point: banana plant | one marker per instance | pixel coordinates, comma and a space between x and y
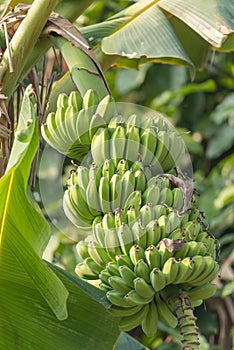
47, 291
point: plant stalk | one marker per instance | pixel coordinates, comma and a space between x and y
186, 321
23, 42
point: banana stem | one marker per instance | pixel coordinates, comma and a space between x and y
23, 42
186, 321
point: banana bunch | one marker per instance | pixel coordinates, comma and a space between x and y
93, 191
71, 128
151, 141
149, 245
136, 280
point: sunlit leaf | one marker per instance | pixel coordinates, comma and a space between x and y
26, 321
142, 36
211, 19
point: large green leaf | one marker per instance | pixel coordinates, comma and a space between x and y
23, 231
166, 31
147, 34
26, 321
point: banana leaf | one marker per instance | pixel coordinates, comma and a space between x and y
166, 31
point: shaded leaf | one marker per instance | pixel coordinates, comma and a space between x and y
221, 142
127, 342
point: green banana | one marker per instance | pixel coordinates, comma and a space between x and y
104, 287
166, 197
118, 284
98, 254
173, 222
83, 270
133, 200
170, 161
133, 298
151, 195
108, 222
139, 233
82, 249
165, 313
148, 145
159, 210
127, 274
129, 322
90, 99
146, 214
117, 144
164, 251
191, 230
186, 268
78, 197
140, 180
150, 322
92, 197
106, 108
124, 260
112, 243
122, 166
117, 299
104, 195
153, 257
82, 126
115, 192
128, 186
208, 241
96, 122
100, 146
160, 152
112, 268
108, 169
71, 212
157, 279
82, 175
126, 239
178, 199
132, 216
104, 276
142, 270
75, 100
119, 311
143, 288
204, 291
131, 151
210, 272
120, 218
170, 270
198, 267
136, 253
98, 231
131, 121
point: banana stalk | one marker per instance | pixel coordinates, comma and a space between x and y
186, 321
83, 66
22, 43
